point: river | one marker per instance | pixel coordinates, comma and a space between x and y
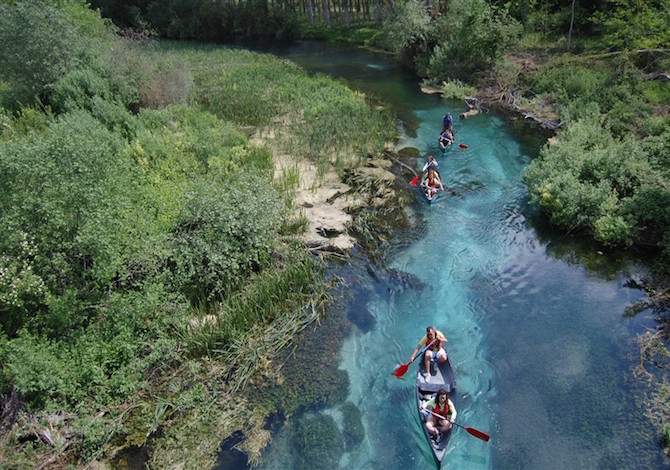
542, 353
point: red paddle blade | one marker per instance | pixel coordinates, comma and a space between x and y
400, 370
477, 433
414, 181
463, 146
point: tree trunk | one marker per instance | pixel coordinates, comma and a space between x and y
326, 12
572, 20
347, 20
310, 12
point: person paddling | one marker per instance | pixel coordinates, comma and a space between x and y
434, 352
431, 182
442, 414
448, 123
431, 163
445, 139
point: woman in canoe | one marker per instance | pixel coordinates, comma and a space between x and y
441, 416
431, 163
431, 182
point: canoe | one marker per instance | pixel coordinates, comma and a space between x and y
430, 199
442, 375
424, 189
444, 144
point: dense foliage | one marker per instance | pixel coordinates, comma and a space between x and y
145, 241
608, 175
468, 38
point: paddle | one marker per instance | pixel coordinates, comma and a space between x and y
414, 181
401, 369
472, 431
463, 146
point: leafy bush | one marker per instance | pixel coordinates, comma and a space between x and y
650, 211
22, 291
587, 181
76, 89
455, 89
39, 46
644, 24
408, 33
224, 237
470, 38
568, 83
43, 43
68, 189
656, 92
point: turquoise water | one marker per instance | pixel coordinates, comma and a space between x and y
541, 351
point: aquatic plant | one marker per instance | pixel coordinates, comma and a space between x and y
353, 431
319, 443
315, 382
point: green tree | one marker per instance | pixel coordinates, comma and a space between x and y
639, 24
470, 38
42, 42
409, 33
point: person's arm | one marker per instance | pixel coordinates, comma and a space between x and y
425, 166
416, 350
429, 405
452, 418
439, 182
419, 346
440, 335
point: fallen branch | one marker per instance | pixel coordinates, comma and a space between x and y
662, 76
473, 105
401, 163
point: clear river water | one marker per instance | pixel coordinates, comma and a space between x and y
542, 353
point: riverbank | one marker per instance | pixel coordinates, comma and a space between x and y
340, 192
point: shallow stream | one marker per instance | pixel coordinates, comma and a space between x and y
542, 353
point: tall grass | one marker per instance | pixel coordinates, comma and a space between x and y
316, 118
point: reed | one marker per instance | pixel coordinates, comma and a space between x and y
313, 117
289, 179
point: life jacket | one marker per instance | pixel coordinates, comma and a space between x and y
437, 344
431, 181
444, 412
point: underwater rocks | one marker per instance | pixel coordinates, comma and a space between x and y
403, 280
362, 318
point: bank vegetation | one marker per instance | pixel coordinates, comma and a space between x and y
152, 264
